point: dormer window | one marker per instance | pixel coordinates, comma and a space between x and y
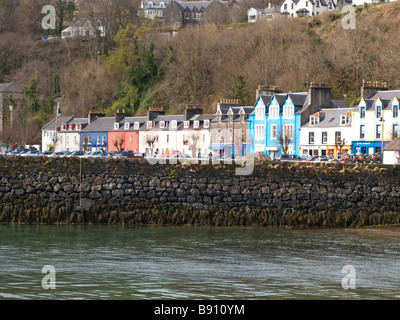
174, 124
206, 123
136, 126
149, 124
116, 126
162, 4
127, 125
196, 124
314, 120
162, 124
186, 124
150, 4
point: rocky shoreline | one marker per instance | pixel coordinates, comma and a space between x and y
133, 192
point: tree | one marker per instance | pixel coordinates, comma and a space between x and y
193, 146
119, 144
31, 93
284, 140
240, 89
150, 142
339, 144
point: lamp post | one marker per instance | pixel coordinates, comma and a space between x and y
382, 121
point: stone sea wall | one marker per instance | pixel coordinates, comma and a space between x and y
133, 192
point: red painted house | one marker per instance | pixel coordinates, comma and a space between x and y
125, 133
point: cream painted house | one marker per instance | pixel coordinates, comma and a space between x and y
376, 121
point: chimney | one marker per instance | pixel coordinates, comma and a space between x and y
154, 113
368, 88
266, 90
191, 111
119, 116
94, 116
320, 95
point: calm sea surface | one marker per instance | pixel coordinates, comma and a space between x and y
114, 262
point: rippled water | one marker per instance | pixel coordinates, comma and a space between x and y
114, 262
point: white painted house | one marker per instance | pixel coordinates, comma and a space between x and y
324, 130
49, 133
269, 13
296, 8
69, 134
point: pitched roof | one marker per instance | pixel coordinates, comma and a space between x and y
60, 120
385, 94
330, 118
191, 5
393, 145
100, 124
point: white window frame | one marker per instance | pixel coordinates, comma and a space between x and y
274, 112
259, 132
116, 126
274, 132
149, 124
186, 124
174, 124
288, 127
127, 125
206, 123
196, 124
162, 124
136, 126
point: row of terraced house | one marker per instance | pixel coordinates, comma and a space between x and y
298, 123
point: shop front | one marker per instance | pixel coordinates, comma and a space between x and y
367, 147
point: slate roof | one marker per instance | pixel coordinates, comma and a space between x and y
100, 124
385, 94
191, 5
51, 126
331, 118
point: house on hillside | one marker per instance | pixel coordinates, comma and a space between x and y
271, 12
86, 28
182, 14
297, 8
152, 9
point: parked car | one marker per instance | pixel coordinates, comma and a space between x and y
125, 154
75, 154
287, 157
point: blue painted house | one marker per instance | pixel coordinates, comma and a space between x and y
94, 136
282, 115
